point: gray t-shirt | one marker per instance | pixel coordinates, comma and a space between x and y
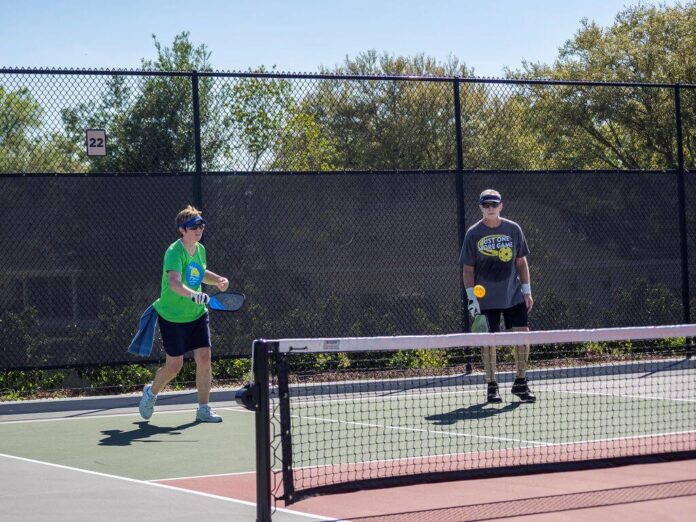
492, 253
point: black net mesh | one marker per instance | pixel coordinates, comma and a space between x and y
344, 420
690, 188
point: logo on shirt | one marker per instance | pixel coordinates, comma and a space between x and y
194, 275
497, 245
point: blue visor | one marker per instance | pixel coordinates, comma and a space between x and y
489, 198
193, 221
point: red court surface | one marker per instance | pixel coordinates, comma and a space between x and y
657, 491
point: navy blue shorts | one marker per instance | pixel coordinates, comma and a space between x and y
514, 317
179, 338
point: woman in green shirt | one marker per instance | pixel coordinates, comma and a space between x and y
182, 315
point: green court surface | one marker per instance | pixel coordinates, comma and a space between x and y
170, 445
346, 431
329, 429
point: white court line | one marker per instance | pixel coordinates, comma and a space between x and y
532, 443
84, 416
624, 396
155, 484
205, 476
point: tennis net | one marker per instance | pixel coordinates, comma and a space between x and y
339, 414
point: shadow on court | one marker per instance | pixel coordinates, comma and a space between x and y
474, 412
144, 431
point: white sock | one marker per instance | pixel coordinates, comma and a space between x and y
202, 405
149, 392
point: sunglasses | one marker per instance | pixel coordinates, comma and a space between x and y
200, 226
490, 205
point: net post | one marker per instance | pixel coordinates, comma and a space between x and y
285, 428
263, 432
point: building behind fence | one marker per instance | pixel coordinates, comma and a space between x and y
338, 204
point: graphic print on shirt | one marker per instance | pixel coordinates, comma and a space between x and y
496, 245
194, 275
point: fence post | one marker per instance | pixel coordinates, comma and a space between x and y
461, 212
682, 208
198, 181
682, 218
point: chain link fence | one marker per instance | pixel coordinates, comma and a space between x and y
337, 204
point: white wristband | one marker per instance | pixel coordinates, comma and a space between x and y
470, 293
526, 289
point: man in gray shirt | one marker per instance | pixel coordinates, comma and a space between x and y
494, 256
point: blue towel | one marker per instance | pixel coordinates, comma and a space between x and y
142, 342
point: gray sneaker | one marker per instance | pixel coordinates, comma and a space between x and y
147, 402
207, 414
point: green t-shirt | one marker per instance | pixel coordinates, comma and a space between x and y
172, 306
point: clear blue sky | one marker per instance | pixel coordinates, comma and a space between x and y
294, 35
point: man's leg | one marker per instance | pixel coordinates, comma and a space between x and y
172, 367
166, 373
520, 387
204, 378
204, 373
516, 319
489, 358
521, 354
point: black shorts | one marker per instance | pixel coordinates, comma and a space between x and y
179, 338
514, 317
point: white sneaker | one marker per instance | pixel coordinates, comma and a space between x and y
147, 402
207, 414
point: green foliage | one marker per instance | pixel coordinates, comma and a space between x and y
258, 109
646, 304
24, 145
112, 334
272, 129
374, 322
419, 359
150, 125
23, 341
387, 124
622, 128
232, 369
122, 378
18, 385
20, 115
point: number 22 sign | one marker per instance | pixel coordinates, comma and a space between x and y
96, 142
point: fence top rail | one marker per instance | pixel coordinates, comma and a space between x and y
357, 172
325, 76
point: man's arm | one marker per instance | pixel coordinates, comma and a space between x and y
211, 278
469, 276
523, 272
177, 286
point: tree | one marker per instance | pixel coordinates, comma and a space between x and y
269, 129
149, 120
24, 144
387, 124
623, 128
